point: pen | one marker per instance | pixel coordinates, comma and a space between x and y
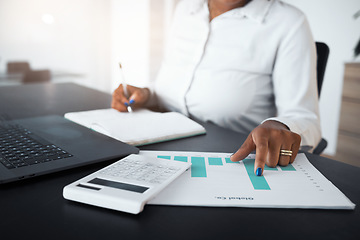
125, 90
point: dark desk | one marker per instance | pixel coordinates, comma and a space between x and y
35, 208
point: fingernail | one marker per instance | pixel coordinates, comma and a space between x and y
131, 101
126, 104
258, 171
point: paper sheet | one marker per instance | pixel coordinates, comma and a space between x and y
213, 180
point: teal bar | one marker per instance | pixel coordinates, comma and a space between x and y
198, 168
258, 182
180, 158
288, 168
270, 168
165, 157
215, 161
227, 160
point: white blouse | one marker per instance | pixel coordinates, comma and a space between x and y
246, 66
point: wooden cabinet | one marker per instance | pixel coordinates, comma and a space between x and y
348, 146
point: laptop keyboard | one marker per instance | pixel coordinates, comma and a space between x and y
19, 148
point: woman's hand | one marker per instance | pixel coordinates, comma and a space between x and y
137, 97
268, 139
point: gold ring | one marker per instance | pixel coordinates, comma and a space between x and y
285, 152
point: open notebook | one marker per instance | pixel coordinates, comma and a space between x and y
140, 127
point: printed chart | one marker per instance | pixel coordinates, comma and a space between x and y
214, 180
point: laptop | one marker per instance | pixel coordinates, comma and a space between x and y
36, 146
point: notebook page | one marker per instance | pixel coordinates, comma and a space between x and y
139, 127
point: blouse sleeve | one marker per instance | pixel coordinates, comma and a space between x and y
295, 86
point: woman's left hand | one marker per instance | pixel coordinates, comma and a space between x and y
274, 144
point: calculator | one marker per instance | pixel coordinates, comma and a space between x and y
127, 184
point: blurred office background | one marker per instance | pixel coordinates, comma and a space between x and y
83, 41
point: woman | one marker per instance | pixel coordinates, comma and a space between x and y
245, 65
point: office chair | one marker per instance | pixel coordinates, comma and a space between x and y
37, 76
322, 56
18, 67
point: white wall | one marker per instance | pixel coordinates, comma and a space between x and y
130, 41
137, 36
332, 22
87, 37
78, 41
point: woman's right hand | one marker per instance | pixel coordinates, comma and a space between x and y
137, 96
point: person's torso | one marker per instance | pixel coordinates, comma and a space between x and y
220, 71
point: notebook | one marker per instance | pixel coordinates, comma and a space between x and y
140, 127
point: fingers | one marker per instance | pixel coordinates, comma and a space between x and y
246, 148
293, 144
119, 99
273, 154
261, 154
119, 94
250, 144
118, 106
295, 147
138, 97
284, 159
269, 139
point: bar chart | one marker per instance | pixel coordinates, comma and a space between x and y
199, 167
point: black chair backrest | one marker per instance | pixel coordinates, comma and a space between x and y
322, 56
322, 51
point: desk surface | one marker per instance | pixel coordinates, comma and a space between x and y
35, 207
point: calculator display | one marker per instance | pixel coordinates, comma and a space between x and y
118, 185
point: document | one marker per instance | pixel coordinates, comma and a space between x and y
140, 127
214, 180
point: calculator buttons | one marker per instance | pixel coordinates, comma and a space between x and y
146, 172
